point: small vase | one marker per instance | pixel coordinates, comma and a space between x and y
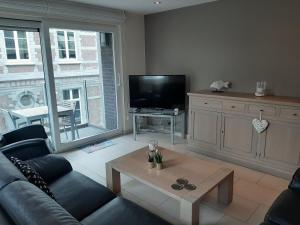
151, 165
159, 166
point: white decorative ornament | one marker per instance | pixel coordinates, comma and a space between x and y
260, 125
219, 85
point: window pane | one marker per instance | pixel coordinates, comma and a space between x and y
11, 54
62, 54
27, 100
21, 34
60, 36
96, 113
71, 45
24, 54
72, 54
16, 92
70, 36
77, 106
9, 43
8, 33
75, 93
61, 45
22, 43
77, 113
66, 95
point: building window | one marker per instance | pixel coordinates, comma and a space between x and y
66, 45
73, 96
16, 45
26, 99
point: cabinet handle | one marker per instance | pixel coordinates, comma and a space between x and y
205, 103
255, 154
295, 114
233, 106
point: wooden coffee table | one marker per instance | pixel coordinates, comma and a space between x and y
204, 174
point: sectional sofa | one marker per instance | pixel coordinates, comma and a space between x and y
78, 199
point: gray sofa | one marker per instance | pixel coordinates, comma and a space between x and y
285, 209
78, 199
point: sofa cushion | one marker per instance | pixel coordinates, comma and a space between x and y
28, 205
31, 175
80, 195
4, 218
121, 211
9, 173
50, 167
285, 209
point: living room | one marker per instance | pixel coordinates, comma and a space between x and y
149, 112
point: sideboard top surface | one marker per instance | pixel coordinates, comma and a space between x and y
283, 100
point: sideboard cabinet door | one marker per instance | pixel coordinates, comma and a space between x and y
280, 145
205, 129
238, 136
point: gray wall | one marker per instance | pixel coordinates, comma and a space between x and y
133, 56
242, 41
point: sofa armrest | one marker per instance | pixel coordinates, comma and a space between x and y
295, 183
2, 141
25, 133
51, 167
26, 149
26, 204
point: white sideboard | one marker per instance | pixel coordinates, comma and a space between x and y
220, 125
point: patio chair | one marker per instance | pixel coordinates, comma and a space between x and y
12, 123
66, 120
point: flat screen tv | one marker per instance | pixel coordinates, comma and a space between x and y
157, 91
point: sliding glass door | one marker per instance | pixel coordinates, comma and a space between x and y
85, 82
23, 99
79, 81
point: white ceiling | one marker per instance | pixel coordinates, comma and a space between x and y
144, 6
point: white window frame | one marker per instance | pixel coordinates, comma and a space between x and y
67, 59
18, 59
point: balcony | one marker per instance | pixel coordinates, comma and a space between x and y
84, 110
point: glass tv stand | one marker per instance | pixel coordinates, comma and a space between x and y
159, 114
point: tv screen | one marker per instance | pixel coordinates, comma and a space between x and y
157, 91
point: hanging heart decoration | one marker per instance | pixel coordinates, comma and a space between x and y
260, 125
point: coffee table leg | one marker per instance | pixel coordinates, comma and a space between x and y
225, 190
189, 213
113, 180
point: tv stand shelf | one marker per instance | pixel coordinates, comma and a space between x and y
160, 114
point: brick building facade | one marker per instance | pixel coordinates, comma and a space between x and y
83, 68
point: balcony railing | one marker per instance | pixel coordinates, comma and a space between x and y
85, 94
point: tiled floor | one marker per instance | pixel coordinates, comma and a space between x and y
254, 191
